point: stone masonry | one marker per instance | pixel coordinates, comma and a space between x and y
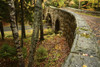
67, 22
85, 52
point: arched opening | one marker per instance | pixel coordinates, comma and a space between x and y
43, 16
57, 26
49, 20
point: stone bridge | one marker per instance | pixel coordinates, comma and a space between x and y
61, 20
85, 52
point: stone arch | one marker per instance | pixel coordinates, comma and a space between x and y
57, 26
49, 20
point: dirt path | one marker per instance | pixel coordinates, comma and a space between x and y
94, 23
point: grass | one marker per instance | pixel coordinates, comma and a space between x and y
9, 33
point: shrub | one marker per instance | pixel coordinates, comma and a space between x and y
7, 51
24, 51
41, 54
48, 31
74, 6
58, 3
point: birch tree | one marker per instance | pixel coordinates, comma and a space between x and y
36, 27
15, 33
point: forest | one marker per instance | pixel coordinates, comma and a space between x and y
27, 37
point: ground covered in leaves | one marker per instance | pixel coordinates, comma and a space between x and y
54, 50
57, 49
49, 53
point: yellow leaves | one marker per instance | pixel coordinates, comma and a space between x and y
44, 21
91, 56
84, 66
58, 47
58, 34
85, 35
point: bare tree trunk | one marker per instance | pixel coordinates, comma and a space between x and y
2, 30
16, 14
15, 33
23, 35
35, 35
22, 21
34, 2
79, 4
41, 30
98, 3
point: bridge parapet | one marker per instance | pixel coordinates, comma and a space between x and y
85, 52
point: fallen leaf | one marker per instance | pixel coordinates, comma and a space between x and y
85, 54
84, 66
91, 56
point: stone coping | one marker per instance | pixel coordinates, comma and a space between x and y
85, 52
96, 13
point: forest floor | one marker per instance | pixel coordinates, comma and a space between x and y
94, 23
56, 46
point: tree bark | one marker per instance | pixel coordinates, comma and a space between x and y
98, 3
79, 4
16, 14
34, 2
15, 33
2, 30
35, 35
41, 31
22, 21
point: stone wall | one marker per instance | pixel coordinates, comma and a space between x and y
85, 52
67, 22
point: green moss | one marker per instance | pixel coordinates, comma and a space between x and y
84, 29
44, 21
77, 30
85, 35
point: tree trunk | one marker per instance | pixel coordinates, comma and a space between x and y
23, 35
41, 30
79, 4
35, 35
16, 14
34, 2
22, 21
15, 33
98, 3
2, 30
